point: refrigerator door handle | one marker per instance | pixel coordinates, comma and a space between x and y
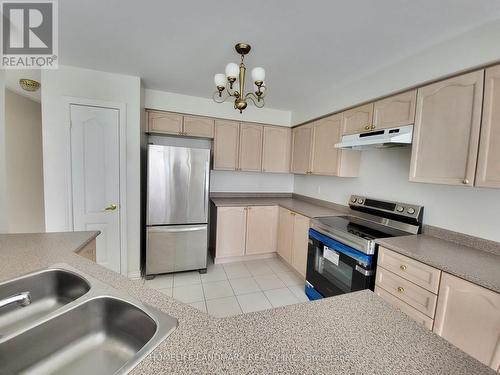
207, 177
175, 229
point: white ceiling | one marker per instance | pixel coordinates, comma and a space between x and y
178, 46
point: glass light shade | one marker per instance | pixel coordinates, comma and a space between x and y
258, 74
232, 70
220, 80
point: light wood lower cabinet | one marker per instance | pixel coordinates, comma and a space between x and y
488, 164
276, 149
300, 243
285, 234
468, 316
231, 231
293, 236
248, 230
262, 230
226, 145
446, 131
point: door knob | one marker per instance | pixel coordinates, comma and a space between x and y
111, 207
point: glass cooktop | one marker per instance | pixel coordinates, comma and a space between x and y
345, 224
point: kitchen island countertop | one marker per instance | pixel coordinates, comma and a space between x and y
356, 333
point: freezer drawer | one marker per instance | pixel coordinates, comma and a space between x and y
176, 248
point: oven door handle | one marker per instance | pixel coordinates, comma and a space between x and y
364, 272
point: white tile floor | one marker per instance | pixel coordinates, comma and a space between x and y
235, 288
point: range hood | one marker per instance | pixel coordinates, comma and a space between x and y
392, 137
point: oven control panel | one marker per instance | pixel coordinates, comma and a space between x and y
398, 208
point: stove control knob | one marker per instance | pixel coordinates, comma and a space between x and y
400, 208
360, 201
353, 199
411, 211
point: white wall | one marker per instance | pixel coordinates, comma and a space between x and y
23, 134
3, 169
384, 174
226, 181
90, 84
471, 49
168, 101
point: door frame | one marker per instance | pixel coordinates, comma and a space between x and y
122, 116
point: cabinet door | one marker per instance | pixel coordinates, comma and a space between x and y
301, 149
488, 166
231, 231
285, 234
446, 131
276, 149
398, 110
250, 158
358, 120
262, 229
227, 134
196, 126
324, 155
468, 316
164, 122
300, 243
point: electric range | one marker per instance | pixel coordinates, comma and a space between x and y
342, 249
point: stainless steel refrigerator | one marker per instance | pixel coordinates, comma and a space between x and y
177, 209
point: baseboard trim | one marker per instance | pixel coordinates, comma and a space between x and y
134, 275
244, 258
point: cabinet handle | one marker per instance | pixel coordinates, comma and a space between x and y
401, 289
465, 181
403, 267
373, 127
367, 127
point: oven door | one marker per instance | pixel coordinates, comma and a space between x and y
334, 268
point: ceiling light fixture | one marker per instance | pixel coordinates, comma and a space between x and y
29, 84
225, 82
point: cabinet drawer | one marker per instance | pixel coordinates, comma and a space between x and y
415, 296
404, 307
418, 273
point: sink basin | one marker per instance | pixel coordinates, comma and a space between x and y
50, 289
102, 335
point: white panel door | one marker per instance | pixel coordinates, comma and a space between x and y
95, 170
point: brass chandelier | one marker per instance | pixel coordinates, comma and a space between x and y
227, 88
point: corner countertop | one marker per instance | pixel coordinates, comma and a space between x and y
293, 204
356, 333
474, 265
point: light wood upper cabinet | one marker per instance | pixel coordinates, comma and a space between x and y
327, 160
488, 166
285, 234
357, 120
446, 131
301, 146
164, 122
226, 145
397, 110
300, 243
262, 229
231, 231
276, 149
197, 126
250, 150
468, 316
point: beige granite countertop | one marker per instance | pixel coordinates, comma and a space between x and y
356, 333
294, 204
468, 263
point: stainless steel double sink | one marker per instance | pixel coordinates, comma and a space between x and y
75, 324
